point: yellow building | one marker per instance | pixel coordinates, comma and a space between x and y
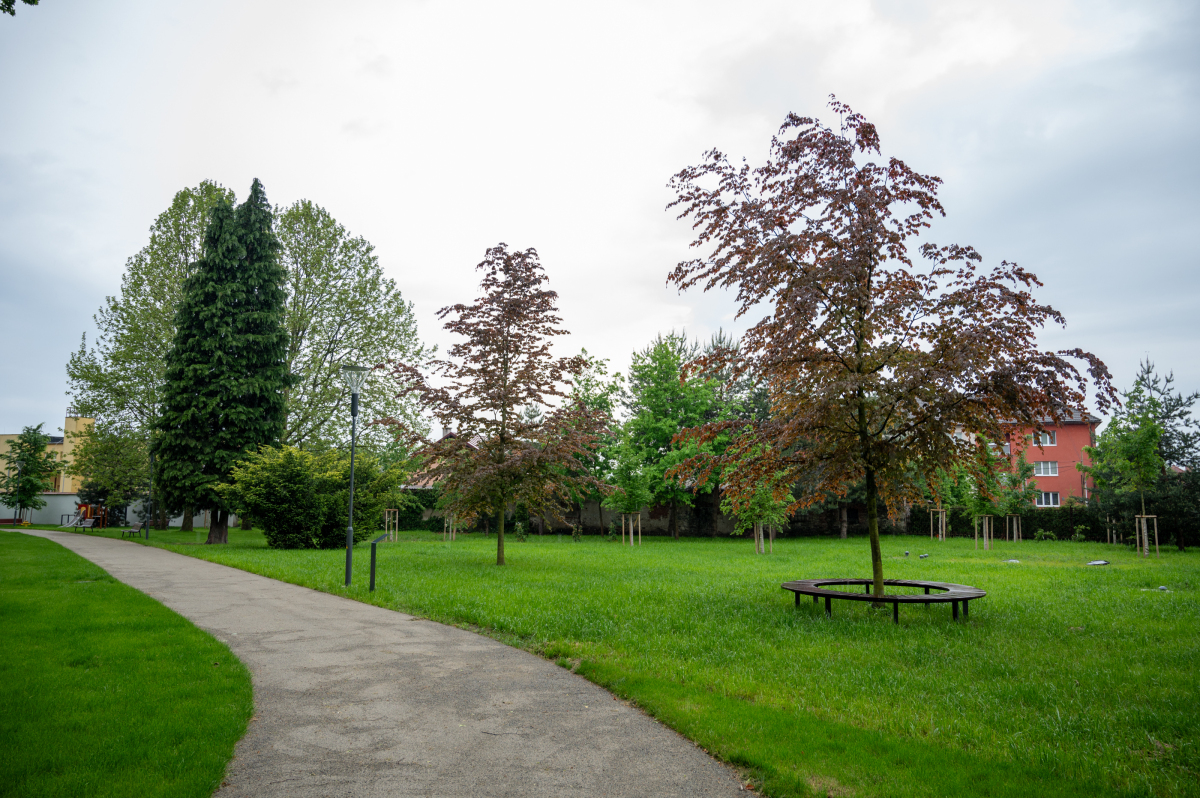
63, 445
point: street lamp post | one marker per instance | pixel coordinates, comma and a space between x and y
17, 492
354, 377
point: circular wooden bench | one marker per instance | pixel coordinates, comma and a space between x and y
947, 592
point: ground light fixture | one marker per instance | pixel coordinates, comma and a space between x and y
354, 377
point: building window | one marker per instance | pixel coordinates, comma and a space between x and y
1045, 468
1047, 499
1045, 438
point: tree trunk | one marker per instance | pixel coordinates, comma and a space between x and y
246, 523
218, 532
673, 523
500, 536
188, 512
843, 519
163, 520
873, 531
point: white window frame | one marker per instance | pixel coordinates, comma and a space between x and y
1045, 468
1048, 438
1048, 498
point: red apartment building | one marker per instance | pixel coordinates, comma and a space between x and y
1054, 455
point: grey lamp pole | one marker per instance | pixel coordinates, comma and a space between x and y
354, 377
17, 493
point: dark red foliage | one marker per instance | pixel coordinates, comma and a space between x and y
878, 354
498, 455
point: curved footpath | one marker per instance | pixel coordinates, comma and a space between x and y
355, 700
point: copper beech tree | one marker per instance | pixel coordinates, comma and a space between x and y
882, 359
500, 455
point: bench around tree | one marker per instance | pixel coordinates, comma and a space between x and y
948, 592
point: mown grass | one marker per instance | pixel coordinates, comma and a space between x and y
104, 691
1067, 679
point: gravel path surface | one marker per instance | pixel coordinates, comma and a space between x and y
355, 700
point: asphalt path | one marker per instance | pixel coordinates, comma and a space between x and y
356, 700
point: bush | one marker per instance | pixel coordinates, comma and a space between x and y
413, 506
576, 533
300, 499
1080, 534
519, 531
1044, 534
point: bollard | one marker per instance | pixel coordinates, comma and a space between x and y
373, 542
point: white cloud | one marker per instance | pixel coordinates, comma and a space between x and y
437, 130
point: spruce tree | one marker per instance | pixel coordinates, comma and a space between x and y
226, 371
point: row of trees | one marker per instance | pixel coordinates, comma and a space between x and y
1146, 459
334, 306
875, 363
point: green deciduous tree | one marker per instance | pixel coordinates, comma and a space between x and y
770, 505
662, 401
872, 360
28, 471
112, 461
340, 309
119, 380
1126, 456
598, 391
10, 6
226, 370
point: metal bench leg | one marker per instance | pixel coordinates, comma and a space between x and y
814, 598
867, 588
954, 604
965, 610
797, 599
895, 612
828, 607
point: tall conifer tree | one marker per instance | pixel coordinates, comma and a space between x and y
226, 371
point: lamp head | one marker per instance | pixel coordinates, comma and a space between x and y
355, 377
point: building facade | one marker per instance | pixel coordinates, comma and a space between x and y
63, 445
1055, 455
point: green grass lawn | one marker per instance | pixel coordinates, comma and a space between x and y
1067, 679
104, 691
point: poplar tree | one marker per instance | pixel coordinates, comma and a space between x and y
226, 370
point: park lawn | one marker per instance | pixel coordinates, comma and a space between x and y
1067, 679
104, 691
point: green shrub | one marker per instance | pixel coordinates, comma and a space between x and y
412, 505
300, 499
519, 531
1080, 535
1044, 534
576, 533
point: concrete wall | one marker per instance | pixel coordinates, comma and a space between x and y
57, 505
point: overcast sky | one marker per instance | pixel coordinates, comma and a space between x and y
1066, 134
